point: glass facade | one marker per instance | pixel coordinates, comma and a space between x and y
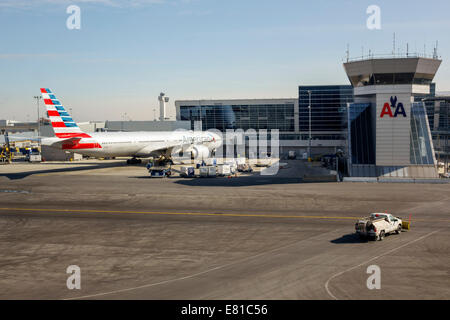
438, 113
441, 134
361, 140
241, 116
421, 145
428, 104
390, 78
328, 107
443, 124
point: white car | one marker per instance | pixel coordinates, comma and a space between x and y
378, 225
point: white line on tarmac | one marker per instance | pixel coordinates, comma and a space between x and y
199, 273
374, 258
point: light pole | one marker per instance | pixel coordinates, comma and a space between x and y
309, 108
38, 114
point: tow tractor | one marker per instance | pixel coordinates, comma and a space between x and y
159, 170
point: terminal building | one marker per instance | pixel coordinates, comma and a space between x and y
380, 121
328, 111
388, 122
283, 114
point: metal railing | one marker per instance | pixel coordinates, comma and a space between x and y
372, 56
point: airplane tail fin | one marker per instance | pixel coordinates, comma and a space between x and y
63, 124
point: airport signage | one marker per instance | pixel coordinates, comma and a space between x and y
398, 107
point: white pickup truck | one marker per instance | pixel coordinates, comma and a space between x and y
377, 225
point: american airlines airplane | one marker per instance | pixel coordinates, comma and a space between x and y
69, 137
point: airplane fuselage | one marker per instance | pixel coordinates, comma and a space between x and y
135, 144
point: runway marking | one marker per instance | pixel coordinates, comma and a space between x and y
217, 214
179, 213
374, 258
199, 273
14, 191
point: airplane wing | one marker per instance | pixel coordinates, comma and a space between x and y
48, 141
21, 138
161, 146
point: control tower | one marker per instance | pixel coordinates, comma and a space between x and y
163, 100
388, 127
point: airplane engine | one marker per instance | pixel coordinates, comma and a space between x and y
200, 152
176, 152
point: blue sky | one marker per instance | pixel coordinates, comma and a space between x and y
126, 52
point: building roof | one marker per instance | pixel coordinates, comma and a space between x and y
438, 98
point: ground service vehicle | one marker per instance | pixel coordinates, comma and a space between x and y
187, 171
224, 170
160, 171
244, 168
378, 225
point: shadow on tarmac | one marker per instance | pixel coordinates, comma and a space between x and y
349, 238
253, 180
79, 167
237, 181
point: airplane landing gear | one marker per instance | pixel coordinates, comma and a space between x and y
134, 161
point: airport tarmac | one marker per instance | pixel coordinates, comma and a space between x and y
252, 237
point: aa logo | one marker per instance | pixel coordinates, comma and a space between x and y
387, 109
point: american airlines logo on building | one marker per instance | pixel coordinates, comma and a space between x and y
387, 109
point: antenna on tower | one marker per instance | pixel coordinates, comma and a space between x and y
348, 52
407, 49
435, 52
393, 45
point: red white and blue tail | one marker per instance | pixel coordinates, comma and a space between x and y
62, 123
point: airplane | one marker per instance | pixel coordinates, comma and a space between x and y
162, 145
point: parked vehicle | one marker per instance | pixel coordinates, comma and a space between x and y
224, 170
244, 168
208, 172
160, 172
34, 157
203, 172
378, 225
187, 172
212, 171
211, 162
233, 166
